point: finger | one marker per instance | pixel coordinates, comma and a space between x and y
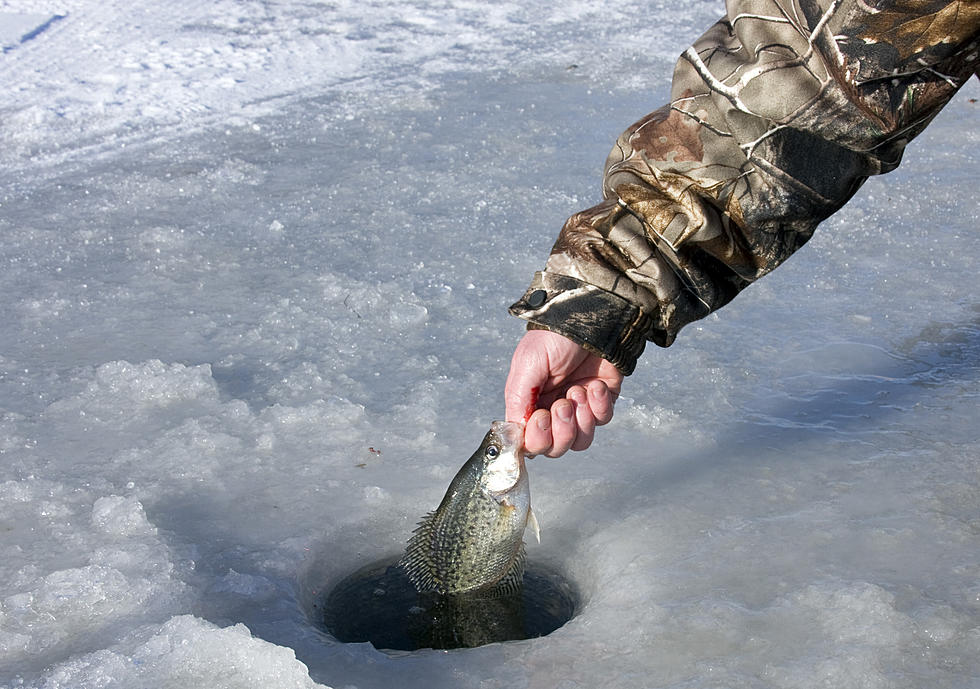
601, 402
582, 442
537, 433
527, 374
584, 419
563, 427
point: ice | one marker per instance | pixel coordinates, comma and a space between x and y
186, 652
257, 259
18, 27
78, 572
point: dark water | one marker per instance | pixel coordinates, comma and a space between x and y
379, 604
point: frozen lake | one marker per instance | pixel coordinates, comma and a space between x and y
256, 265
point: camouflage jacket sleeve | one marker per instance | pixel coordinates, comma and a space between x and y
777, 116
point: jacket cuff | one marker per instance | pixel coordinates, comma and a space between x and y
601, 321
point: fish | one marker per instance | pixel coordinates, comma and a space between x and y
474, 541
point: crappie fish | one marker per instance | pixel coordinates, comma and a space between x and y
474, 540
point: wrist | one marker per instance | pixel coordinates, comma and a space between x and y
600, 321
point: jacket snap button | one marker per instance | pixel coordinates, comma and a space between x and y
538, 298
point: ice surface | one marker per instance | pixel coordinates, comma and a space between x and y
256, 262
17, 28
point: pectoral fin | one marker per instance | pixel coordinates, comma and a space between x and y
532, 522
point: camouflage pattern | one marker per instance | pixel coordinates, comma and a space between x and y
778, 114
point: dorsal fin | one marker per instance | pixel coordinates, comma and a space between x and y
417, 560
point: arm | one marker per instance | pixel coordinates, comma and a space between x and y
778, 114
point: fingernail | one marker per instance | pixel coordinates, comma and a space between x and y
564, 411
544, 422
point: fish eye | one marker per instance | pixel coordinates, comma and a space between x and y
492, 452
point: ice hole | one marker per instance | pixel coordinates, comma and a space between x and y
378, 604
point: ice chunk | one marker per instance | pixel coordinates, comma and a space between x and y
119, 515
77, 567
124, 389
187, 651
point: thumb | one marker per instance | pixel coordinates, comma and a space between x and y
528, 373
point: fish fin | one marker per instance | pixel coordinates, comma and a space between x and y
532, 521
512, 582
417, 560
508, 585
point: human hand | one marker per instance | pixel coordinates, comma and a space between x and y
560, 391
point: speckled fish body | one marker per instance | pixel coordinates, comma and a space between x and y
474, 540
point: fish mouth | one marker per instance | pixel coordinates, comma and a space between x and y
511, 435
504, 472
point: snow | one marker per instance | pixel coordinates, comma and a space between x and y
256, 264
